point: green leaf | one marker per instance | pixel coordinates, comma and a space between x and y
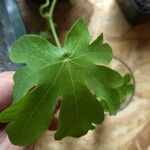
24, 116
27, 77
103, 56
127, 89
76, 72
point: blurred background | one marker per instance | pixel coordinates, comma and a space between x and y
126, 27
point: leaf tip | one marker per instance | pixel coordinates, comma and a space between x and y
57, 137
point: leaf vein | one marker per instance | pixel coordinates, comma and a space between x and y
75, 96
31, 115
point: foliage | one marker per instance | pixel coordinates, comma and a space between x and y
76, 72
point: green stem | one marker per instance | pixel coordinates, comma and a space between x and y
49, 17
51, 23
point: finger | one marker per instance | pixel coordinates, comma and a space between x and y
53, 125
30, 147
6, 88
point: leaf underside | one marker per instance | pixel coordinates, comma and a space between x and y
77, 72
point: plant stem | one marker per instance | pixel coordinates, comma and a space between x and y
51, 23
49, 17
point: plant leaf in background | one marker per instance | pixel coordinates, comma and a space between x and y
77, 72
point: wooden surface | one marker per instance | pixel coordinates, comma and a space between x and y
130, 129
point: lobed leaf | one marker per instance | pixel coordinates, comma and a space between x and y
76, 72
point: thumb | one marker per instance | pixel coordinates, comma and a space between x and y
6, 88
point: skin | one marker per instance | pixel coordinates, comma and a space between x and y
6, 89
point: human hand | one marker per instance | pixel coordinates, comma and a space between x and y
6, 89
